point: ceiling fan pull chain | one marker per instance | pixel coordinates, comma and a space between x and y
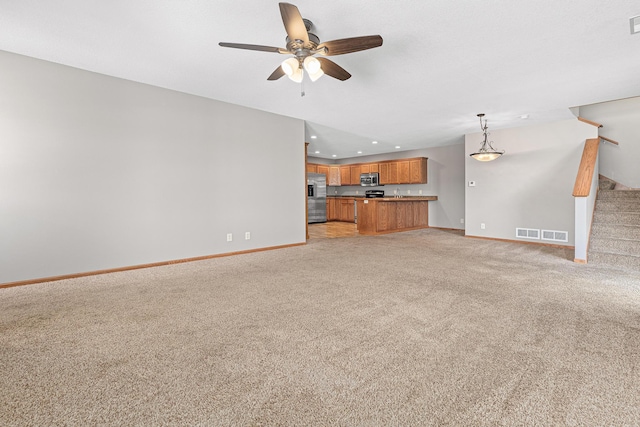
302, 85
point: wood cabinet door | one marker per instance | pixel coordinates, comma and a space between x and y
365, 168
331, 208
334, 176
393, 173
418, 171
347, 211
404, 173
324, 169
345, 175
383, 170
312, 168
374, 167
355, 174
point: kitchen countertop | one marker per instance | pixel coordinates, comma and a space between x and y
391, 198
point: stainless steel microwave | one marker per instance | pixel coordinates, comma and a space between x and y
370, 179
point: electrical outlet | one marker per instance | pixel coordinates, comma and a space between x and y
461, 220
408, 192
247, 235
420, 192
229, 237
482, 226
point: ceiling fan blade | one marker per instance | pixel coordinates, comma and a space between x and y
254, 47
353, 44
293, 23
277, 73
332, 69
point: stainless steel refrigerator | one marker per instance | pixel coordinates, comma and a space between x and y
316, 197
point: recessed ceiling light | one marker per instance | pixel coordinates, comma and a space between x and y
359, 152
397, 146
317, 152
334, 155
524, 116
313, 137
634, 22
374, 142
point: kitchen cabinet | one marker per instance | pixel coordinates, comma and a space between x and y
369, 168
345, 175
401, 171
388, 215
355, 174
418, 170
324, 169
347, 209
334, 176
393, 173
331, 209
341, 209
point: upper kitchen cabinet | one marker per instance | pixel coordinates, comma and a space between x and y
334, 176
403, 171
355, 174
418, 170
345, 175
324, 169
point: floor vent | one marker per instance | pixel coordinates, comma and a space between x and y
528, 233
555, 236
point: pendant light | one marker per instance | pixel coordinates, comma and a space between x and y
486, 153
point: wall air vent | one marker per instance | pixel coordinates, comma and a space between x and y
528, 233
555, 236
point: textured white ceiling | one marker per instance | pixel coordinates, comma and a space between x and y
442, 62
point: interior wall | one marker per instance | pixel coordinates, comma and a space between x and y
531, 185
98, 173
620, 122
445, 179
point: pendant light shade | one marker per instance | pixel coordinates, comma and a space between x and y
486, 153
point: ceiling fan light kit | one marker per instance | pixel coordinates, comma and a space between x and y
486, 153
303, 45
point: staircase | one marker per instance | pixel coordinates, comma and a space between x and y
615, 232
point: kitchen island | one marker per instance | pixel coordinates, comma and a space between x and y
391, 214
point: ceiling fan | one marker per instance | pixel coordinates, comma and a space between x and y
304, 45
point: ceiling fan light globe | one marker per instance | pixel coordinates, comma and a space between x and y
297, 75
315, 76
289, 66
311, 64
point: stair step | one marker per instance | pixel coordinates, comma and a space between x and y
619, 205
615, 231
626, 218
615, 194
614, 260
618, 246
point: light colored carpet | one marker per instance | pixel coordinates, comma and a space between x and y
415, 328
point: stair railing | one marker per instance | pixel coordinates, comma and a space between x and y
584, 192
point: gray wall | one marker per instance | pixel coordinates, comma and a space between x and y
98, 172
531, 185
620, 122
445, 169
